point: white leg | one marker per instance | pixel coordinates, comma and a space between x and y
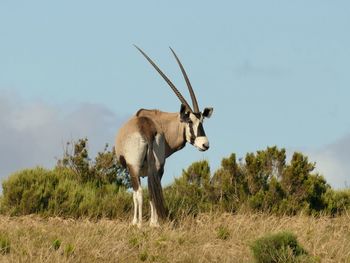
154, 216
139, 203
151, 219
134, 196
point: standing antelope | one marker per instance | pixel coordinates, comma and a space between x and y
149, 137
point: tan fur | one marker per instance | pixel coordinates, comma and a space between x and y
151, 122
170, 126
148, 123
142, 145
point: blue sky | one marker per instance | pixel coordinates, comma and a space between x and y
276, 73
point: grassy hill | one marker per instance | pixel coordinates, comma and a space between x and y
206, 238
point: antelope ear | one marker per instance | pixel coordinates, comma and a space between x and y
184, 113
207, 112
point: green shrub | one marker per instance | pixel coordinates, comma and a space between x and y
104, 169
190, 194
59, 193
256, 202
29, 191
281, 247
56, 244
337, 201
83, 187
4, 244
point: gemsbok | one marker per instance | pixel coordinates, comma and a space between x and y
150, 136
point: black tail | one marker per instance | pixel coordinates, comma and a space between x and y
154, 185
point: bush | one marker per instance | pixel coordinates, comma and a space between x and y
183, 199
56, 244
337, 201
29, 191
83, 187
59, 193
190, 194
104, 169
281, 247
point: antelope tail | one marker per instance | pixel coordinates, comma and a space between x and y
154, 185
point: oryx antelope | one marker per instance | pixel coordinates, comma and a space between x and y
150, 136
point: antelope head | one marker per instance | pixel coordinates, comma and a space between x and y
192, 117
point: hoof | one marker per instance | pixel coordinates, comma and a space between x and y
137, 223
154, 224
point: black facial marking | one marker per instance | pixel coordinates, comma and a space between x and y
193, 136
200, 131
198, 115
184, 114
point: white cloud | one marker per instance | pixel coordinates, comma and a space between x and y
333, 162
34, 133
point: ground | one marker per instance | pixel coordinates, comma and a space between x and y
206, 238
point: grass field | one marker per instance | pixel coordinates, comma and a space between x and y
207, 238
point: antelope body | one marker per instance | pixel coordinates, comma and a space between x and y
150, 136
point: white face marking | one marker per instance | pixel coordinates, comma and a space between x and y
200, 142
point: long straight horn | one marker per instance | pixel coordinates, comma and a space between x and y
193, 96
172, 86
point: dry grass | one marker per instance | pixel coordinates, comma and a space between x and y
208, 238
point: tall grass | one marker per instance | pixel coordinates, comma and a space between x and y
206, 238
